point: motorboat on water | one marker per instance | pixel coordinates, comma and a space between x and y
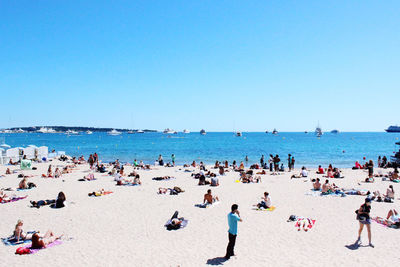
186, 131
71, 132
114, 132
393, 129
140, 131
89, 132
169, 131
238, 134
274, 131
335, 131
203, 132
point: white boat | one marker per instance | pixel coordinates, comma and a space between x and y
19, 131
130, 132
6, 131
71, 132
274, 131
89, 132
203, 132
140, 131
186, 131
318, 131
168, 131
114, 132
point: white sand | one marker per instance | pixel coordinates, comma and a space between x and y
126, 227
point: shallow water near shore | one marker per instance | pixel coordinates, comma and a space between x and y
341, 149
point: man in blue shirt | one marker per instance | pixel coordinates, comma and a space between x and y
233, 219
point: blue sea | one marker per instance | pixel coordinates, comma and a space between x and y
341, 149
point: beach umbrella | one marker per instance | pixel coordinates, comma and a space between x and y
4, 146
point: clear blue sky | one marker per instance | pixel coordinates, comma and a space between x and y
218, 65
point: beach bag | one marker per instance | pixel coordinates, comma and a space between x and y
22, 251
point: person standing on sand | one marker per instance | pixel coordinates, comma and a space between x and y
289, 162
262, 161
292, 164
364, 219
233, 219
271, 162
173, 159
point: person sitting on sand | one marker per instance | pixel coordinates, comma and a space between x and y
357, 165
320, 170
390, 193
221, 171
241, 167
265, 202
303, 173
136, 180
23, 184
214, 180
209, 198
57, 173
18, 233
395, 175
317, 185
58, 203
49, 172
336, 173
194, 164
329, 173
8, 171
326, 187
41, 242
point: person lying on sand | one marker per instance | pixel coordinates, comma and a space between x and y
209, 198
41, 242
369, 180
89, 177
162, 178
265, 202
101, 192
58, 203
392, 219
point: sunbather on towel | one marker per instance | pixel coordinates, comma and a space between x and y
39, 242
265, 202
136, 180
209, 198
23, 184
327, 188
97, 193
175, 222
392, 219
58, 203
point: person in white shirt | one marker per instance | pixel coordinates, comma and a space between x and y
265, 201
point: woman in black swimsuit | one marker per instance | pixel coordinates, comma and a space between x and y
364, 219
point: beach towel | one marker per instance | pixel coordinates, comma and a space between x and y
84, 179
13, 199
272, 208
19, 189
26, 164
304, 221
12, 241
34, 250
128, 184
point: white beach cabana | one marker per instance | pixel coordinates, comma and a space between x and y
43, 152
13, 154
29, 152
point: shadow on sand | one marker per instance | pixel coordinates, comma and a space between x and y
216, 261
355, 246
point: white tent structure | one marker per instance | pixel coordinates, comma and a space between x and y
43, 152
29, 152
13, 154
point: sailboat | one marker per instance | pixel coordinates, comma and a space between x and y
186, 131
274, 131
318, 131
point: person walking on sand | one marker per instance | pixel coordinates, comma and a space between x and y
233, 219
364, 219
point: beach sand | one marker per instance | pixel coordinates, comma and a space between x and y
127, 227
